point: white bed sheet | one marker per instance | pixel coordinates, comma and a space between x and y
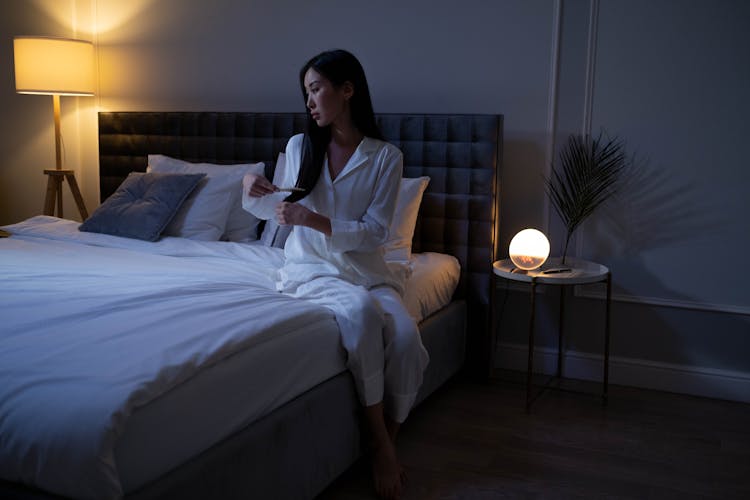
78, 358
148, 417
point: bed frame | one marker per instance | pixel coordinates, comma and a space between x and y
308, 442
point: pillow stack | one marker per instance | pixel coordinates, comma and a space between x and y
214, 210
200, 201
203, 201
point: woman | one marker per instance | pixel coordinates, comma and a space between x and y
347, 179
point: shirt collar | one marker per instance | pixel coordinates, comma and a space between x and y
360, 156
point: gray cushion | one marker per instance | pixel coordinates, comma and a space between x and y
142, 206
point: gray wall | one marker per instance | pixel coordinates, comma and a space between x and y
669, 77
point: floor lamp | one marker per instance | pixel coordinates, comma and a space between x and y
55, 66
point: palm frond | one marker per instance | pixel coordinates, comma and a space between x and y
588, 172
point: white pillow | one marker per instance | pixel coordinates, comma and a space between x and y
214, 210
401, 232
275, 235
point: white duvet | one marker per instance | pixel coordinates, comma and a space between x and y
94, 326
100, 336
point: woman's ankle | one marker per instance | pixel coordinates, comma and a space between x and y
392, 427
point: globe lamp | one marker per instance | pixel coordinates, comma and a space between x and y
529, 249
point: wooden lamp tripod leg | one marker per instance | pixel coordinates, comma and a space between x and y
49, 200
56, 176
77, 195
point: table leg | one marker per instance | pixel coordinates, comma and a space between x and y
606, 338
561, 322
530, 364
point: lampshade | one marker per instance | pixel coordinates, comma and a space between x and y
46, 65
529, 249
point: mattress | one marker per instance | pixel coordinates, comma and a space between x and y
128, 384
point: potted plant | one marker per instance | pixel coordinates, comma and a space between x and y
588, 172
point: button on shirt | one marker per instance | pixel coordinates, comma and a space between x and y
359, 203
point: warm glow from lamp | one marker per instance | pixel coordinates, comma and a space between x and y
529, 249
46, 65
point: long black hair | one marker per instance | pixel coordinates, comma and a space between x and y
339, 67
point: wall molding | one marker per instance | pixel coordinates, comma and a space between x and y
552, 93
588, 99
645, 374
596, 292
695, 305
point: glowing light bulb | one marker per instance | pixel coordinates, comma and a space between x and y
529, 249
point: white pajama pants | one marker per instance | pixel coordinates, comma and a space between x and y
384, 348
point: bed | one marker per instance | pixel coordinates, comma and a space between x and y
202, 331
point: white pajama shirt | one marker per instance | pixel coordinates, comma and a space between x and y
346, 271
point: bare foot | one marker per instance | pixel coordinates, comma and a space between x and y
387, 473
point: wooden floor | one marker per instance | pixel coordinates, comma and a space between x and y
475, 441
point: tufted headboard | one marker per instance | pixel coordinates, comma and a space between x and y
461, 154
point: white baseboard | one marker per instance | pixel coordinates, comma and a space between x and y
683, 379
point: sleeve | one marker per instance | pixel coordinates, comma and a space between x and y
371, 231
284, 175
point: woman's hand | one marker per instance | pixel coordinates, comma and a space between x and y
294, 214
256, 185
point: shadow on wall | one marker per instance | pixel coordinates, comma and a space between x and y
653, 209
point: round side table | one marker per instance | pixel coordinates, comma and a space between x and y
553, 272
